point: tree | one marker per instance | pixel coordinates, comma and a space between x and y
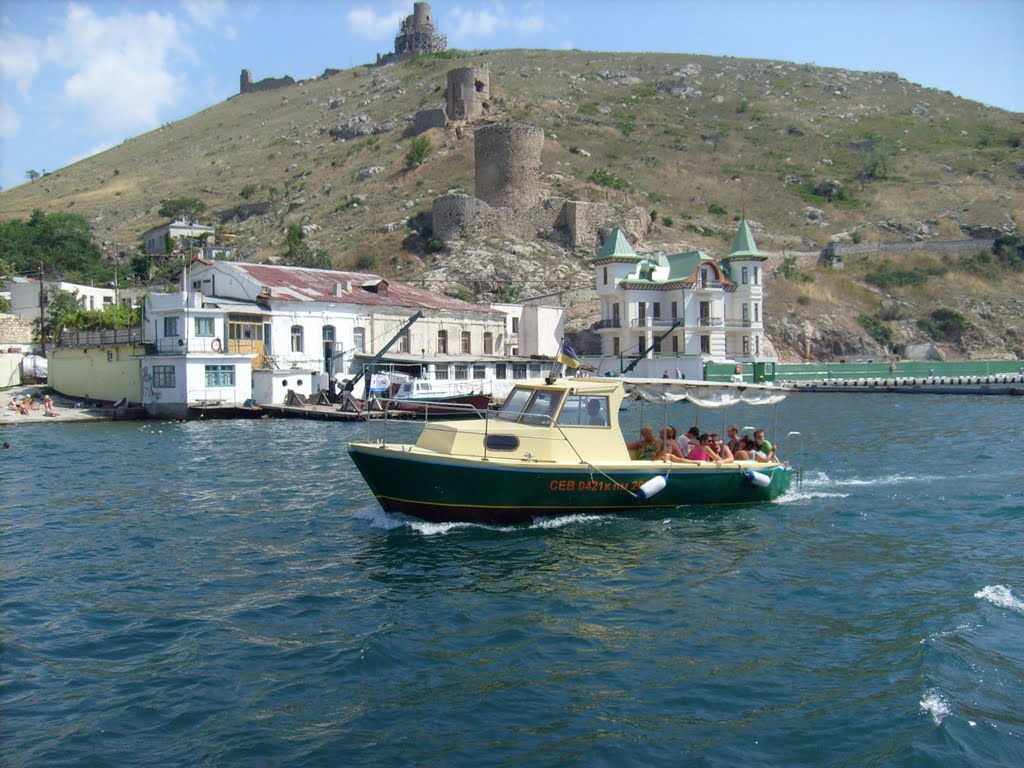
32, 175
60, 244
59, 306
184, 208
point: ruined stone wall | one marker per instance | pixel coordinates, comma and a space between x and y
507, 157
468, 217
246, 85
469, 89
426, 119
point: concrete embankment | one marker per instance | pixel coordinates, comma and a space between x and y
1000, 384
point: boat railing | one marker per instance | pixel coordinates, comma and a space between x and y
799, 470
389, 412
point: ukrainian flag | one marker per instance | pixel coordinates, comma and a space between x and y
567, 356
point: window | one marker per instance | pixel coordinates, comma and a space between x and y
705, 345
499, 371
615, 345
403, 343
163, 377
488, 343
479, 371
744, 275
534, 371
204, 326
515, 325
757, 312
170, 326
657, 310
675, 313
641, 311
606, 275
757, 345
466, 342
584, 411
359, 339
675, 343
542, 408
518, 370
657, 347
296, 338
441, 372
746, 314
757, 275
746, 345
615, 314
442, 342
461, 371
220, 375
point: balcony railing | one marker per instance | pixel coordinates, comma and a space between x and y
100, 338
664, 322
735, 322
707, 285
612, 323
710, 322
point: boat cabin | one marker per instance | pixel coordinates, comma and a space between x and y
569, 420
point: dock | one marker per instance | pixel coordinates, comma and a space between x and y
998, 384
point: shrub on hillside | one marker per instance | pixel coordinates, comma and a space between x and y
945, 325
418, 150
608, 179
878, 330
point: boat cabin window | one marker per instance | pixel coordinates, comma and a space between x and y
584, 411
501, 442
531, 406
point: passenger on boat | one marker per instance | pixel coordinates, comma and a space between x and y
764, 445
690, 439
698, 453
733, 433
646, 447
668, 440
719, 447
594, 416
748, 451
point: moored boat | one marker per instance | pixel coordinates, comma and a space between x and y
555, 448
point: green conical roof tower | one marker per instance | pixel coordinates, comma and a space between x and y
744, 246
616, 247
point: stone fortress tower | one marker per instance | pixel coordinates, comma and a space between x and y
469, 91
507, 163
416, 34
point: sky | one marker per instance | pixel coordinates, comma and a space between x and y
81, 77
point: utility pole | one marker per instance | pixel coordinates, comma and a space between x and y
42, 310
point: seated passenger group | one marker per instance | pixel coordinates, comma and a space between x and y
695, 447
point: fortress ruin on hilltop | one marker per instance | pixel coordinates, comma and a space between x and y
416, 34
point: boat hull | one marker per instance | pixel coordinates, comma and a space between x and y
450, 489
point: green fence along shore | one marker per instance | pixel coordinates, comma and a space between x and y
867, 369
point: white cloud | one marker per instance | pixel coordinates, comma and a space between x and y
19, 61
367, 23
121, 76
205, 13
10, 121
487, 22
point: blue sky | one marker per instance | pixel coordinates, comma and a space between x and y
79, 77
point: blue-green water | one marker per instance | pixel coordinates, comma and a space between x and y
228, 593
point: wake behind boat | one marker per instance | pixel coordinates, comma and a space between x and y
556, 448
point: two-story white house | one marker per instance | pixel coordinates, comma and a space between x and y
680, 310
25, 295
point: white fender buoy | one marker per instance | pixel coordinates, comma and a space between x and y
651, 487
760, 479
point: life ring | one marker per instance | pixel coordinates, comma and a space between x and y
215, 345
739, 369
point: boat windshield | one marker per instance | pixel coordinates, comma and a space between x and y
531, 406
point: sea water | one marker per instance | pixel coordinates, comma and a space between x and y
229, 593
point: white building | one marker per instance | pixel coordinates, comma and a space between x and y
680, 310
257, 331
531, 330
25, 293
155, 240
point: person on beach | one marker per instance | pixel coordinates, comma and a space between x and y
48, 406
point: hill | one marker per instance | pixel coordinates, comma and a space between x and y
808, 154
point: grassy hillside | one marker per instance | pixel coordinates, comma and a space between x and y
806, 153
